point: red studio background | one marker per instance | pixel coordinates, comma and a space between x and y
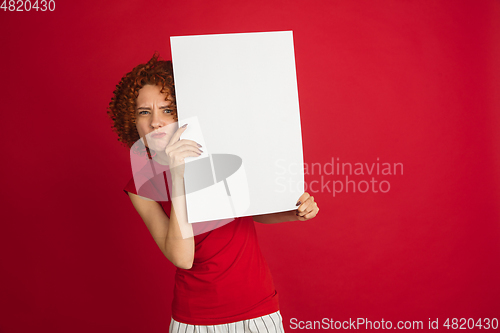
409, 82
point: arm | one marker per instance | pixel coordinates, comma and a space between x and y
166, 232
180, 241
173, 235
307, 210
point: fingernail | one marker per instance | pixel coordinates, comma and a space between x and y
199, 145
298, 203
200, 150
183, 126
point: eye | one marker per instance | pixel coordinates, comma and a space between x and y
168, 110
143, 112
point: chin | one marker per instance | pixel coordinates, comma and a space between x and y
159, 146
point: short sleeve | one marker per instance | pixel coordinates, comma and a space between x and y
130, 187
155, 189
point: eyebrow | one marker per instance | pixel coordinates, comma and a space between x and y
148, 108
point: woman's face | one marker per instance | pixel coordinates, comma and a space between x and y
155, 122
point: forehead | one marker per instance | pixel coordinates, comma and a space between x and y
150, 94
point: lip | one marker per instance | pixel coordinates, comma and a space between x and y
158, 135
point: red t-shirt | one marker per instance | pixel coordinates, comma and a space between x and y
229, 280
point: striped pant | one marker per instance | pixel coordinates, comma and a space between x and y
271, 323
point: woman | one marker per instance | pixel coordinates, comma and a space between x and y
222, 282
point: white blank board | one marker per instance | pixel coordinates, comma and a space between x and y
242, 91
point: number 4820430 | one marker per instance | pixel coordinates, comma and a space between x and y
27, 5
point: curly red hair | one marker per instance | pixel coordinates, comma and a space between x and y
122, 108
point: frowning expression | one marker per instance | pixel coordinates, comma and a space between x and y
155, 121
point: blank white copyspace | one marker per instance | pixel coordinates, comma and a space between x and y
209, 204
243, 90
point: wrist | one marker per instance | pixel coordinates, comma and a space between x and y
177, 186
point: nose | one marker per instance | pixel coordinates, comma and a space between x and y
156, 121
155, 125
